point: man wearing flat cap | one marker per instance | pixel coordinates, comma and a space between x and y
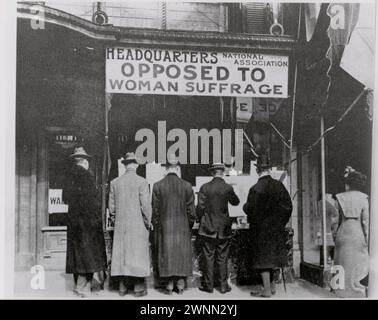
173, 218
268, 209
85, 238
215, 228
129, 203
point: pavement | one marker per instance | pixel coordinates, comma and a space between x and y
58, 285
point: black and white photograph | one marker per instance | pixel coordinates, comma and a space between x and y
181, 150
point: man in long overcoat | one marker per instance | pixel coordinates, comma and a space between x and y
268, 209
85, 238
173, 217
215, 228
129, 203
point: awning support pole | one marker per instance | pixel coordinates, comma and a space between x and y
294, 102
105, 164
250, 145
323, 182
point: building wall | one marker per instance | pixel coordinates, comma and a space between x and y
31, 204
157, 15
31, 154
246, 17
197, 16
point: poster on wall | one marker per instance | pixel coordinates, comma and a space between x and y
241, 185
196, 73
56, 204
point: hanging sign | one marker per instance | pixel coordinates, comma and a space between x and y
244, 109
196, 73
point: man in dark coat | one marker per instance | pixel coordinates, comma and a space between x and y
85, 238
215, 228
268, 209
173, 215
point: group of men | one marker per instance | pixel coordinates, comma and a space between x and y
170, 216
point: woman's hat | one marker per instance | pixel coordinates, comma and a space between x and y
217, 166
263, 162
129, 158
80, 152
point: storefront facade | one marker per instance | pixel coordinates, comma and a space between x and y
333, 125
62, 101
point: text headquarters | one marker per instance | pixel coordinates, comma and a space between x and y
193, 72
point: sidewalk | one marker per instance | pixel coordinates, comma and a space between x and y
59, 285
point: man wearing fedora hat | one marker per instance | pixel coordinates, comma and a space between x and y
215, 228
268, 209
85, 238
129, 203
173, 219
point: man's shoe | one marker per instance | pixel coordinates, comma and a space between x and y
205, 289
180, 291
122, 293
273, 288
260, 294
168, 292
122, 288
169, 287
224, 290
79, 294
139, 294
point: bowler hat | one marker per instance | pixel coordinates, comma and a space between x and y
171, 161
80, 152
129, 158
217, 166
263, 162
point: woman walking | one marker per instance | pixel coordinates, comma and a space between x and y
350, 229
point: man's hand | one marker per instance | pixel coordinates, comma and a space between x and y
112, 217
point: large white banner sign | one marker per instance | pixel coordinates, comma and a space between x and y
196, 73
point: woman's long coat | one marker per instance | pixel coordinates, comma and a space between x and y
268, 209
173, 218
129, 201
85, 237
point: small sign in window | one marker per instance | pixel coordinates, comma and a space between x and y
56, 204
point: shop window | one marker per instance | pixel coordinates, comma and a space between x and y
268, 128
279, 19
312, 213
255, 16
191, 16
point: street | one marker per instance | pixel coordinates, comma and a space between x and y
59, 285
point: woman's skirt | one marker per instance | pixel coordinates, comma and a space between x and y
351, 253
